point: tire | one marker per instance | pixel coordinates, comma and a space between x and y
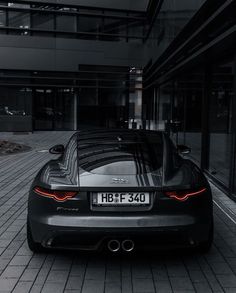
205, 246
33, 246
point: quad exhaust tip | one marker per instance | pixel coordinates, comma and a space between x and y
127, 245
115, 245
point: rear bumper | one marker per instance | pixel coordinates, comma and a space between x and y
91, 232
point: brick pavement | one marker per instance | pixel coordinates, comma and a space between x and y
23, 271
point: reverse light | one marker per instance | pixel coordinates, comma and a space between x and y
55, 194
183, 195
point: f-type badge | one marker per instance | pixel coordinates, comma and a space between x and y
120, 181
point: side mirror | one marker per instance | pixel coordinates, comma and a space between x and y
58, 149
183, 149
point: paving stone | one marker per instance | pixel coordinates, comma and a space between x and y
127, 285
74, 283
202, 287
163, 286
113, 276
53, 287
181, 283
77, 270
29, 275
57, 276
23, 287
113, 287
95, 274
227, 281
91, 286
36, 262
20, 260
141, 272
221, 268
36, 288
177, 271
197, 276
12, 272
7, 284
143, 285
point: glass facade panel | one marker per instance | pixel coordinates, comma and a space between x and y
187, 111
164, 106
179, 114
64, 109
15, 102
42, 21
220, 121
15, 109
114, 27
176, 107
2, 21
19, 20
66, 23
2, 18
53, 109
69, 22
171, 19
43, 109
90, 25
135, 28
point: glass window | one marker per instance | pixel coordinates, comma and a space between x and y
179, 114
42, 21
90, 25
114, 27
64, 109
20, 20
187, 111
173, 16
2, 21
164, 105
157, 107
220, 121
15, 109
66, 23
15, 101
2, 18
135, 28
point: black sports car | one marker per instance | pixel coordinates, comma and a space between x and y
122, 189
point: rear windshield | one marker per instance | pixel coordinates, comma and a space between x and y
122, 155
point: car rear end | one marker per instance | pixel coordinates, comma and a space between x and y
122, 202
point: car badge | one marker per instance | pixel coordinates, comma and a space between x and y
120, 180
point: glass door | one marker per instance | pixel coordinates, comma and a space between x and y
43, 109
64, 104
220, 122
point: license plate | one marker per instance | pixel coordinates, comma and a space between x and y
121, 198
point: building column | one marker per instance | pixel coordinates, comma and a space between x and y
75, 111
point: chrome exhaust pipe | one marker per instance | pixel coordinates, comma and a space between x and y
113, 245
127, 245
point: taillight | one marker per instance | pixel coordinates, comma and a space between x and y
184, 194
55, 194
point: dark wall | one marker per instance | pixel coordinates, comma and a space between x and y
57, 54
16, 123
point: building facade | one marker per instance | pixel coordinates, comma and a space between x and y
158, 64
190, 86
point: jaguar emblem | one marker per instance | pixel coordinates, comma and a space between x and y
120, 181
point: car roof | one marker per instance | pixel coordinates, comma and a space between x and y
119, 135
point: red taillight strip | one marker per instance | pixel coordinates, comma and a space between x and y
53, 194
186, 196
